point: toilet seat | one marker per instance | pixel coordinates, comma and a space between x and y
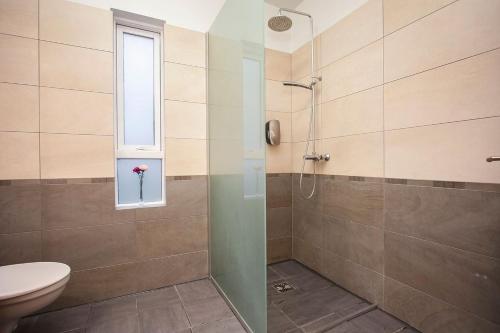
22, 279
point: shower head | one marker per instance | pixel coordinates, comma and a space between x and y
279, 23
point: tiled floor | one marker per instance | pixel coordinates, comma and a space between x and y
315, 304
194, 307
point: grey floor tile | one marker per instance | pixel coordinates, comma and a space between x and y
170, 318
207, 310
63, 320
157, 298
309, 281
231, 325
346, 327
377, 321
277, 322
272, 275
275, 297
289, 268
112, 309
26, 325
128, 324
197, 290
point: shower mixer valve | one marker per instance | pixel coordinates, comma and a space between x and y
317, 157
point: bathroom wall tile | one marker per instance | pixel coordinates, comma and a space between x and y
18, 107
75, 112
76, 156
461, 149
20, 208
301, 98
300, 124
19, 153
99, 284
20, 248
429, 314
279, 249
307, 226
301, 59
355, 155
19, 18
79, 205
300, 203
184, 198
75, 24
360, 70
359, 28
419, 264
459, 91
308, 254
397, 13
19, 60
279, 222
160, 238
278, 97
185, 157
278, 158
356, 242
298, 150
185, 83
285, 119
358, 279
185, 120
172, 270
358, 202
355, 114
463, 29
278, 190
278, 65
469, 222
70, 67
85, 248
184, 46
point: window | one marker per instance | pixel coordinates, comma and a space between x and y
138, 114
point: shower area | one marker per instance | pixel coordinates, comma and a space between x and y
343, 195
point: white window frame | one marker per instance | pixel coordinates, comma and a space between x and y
157, 151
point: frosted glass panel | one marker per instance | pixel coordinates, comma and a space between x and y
128, 181
252, 101
138, 89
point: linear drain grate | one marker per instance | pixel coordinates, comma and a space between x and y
283, 287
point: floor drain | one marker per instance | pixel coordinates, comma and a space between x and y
283, 287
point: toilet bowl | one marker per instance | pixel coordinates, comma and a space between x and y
27, 288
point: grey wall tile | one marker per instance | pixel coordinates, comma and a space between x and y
279, 249
465, 219
308, 226
357, 242
161, 238
91, 247
360, 202
308, 254
20, 208
464, 279
21, 247
429, 314
279, 190
316, 201
279, 222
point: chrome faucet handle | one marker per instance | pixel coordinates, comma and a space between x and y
493, 159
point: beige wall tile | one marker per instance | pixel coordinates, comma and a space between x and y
399, 13
463, 90
19, 153
358, 29
354, 114
457, 31
185, 83
450, 152
360, 70
300, 124
185, 120
77, 68
285, 119
19, 17
279, 158
18, 107
71, 23
185, 157
301, 98
19, 60
356, 155
76, 156
301, 60
278, 97
76, 112
278, 65
184, 46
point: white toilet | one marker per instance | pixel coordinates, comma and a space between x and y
27, 288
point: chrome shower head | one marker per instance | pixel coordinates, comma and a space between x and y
279, 23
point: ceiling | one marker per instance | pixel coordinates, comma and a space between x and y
291, 4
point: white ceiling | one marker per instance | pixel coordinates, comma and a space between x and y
291, 4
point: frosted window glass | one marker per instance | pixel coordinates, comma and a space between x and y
138, 89
128, 181
252, 104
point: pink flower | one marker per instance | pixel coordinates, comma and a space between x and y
137, 170
143, 167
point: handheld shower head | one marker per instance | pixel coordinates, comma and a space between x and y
279, 23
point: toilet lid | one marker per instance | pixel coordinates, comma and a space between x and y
21, 279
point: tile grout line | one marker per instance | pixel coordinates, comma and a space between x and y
383, 155
183, 306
